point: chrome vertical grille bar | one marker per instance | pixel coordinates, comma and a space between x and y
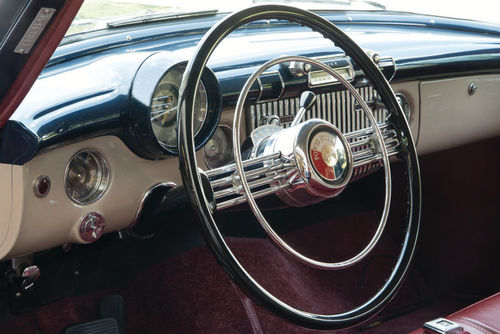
338, 108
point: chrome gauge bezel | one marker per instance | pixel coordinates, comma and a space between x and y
140, 136
175, 72
228, 132
103, 178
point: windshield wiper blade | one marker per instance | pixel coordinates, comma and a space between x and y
154, 17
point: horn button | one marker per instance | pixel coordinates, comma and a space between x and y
323, 159
328, 155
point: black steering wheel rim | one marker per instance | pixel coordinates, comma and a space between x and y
195, 192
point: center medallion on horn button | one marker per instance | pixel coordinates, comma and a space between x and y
328, 155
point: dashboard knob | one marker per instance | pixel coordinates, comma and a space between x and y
307, 100
299, 69
92, 227
29, 276
472, 89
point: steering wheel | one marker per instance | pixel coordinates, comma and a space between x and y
308, 162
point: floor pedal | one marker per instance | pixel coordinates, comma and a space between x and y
100, 326
112, 313
112, 306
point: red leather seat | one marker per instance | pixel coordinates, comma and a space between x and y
482, 317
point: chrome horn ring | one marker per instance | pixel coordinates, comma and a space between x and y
251, 200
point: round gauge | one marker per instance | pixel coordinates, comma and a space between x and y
164, 104
86, 177
218, 151
154, 98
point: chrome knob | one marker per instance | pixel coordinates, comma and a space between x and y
299, 69
307, 100
29, 276
92, 227
472, 89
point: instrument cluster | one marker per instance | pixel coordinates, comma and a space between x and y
154, 102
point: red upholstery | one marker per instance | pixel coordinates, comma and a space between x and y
480, 318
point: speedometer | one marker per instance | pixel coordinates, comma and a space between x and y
164, 104
151, 120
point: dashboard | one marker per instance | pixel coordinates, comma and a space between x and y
96, 135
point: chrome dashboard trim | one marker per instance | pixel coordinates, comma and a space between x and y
261, 87
36, 183
104, 171
222, 126
143, 200
337, 108
333, 81
394, 65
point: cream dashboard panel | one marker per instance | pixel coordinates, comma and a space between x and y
444, 116
29, 223
452, 115
6, 199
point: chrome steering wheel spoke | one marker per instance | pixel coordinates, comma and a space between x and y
271, 173
265, 175
365, 150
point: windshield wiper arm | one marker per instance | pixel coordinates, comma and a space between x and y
146, 18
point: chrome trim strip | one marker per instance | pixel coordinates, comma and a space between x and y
160, 17
143, 200
230, 168
350, 70
257, 194
393, 62
261, 88
365, 161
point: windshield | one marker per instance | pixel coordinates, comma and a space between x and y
100, 14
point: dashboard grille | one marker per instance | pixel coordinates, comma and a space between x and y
339, 108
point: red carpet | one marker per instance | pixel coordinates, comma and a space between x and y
190, 293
